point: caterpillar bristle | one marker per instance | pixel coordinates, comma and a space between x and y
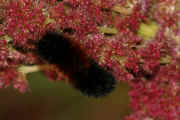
95, 81
84, 73
53, 47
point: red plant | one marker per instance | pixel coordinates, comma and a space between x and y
150, 66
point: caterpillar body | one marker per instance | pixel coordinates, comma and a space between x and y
84, 73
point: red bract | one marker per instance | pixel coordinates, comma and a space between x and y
3, 54
132, 64
23, 19
130, 23
165, 13
94, 44
166, 19
55, 75
10, 76
57, 12
84, 18
158, 98
22, 22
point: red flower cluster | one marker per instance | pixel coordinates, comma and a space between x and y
133, 20
150, 67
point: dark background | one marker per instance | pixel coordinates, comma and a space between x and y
58, 101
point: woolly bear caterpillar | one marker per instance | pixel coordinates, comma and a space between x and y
84, 73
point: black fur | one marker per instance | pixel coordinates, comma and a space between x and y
95, 81
86, 75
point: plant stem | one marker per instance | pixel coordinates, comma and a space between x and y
34, 68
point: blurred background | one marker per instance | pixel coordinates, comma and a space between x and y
58, 101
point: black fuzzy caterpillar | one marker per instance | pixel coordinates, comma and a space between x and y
84, 73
